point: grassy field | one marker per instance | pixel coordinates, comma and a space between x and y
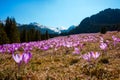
62, 64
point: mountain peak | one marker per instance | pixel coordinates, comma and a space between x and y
43, 29
37, 24
34, 23
109, 18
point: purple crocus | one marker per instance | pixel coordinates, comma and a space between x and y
87, 56
27, 57
116, 40
76, 51
95, 55
18, 58
103, 46
101, 39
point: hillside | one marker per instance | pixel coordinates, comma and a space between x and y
109, 18
74, 57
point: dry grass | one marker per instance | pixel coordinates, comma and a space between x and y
63, 65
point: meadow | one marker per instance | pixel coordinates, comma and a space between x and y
91, 56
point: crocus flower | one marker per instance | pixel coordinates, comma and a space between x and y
27, 48
18, 58
76, 51
101, 39
87, 56
27, 57
95, 55
116, 40
1, 50
103, 46
107, 41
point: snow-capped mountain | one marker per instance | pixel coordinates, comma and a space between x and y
55, 29
63, 29
37, 24
59, 29
43, 29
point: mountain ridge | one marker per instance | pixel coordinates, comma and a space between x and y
43, 29
109, 18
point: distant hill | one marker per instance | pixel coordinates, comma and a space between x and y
36, 26
109, 18
43, 28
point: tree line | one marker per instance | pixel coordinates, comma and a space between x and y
9, 33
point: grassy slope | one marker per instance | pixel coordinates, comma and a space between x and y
63, 65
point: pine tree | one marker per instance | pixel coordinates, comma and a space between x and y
7, 27
37, 35
16, 37
32, 34
3, 36
118, 27
103, 30
46, 35
12, 30
24, 36
28, 36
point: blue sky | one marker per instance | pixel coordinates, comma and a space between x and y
53, 13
